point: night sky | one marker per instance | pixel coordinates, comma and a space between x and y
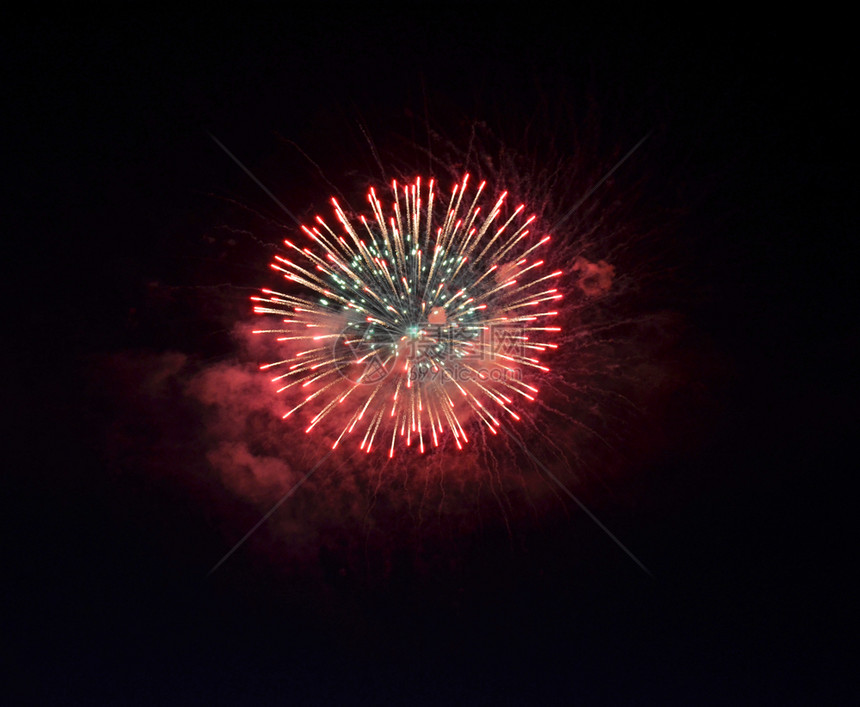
133, 243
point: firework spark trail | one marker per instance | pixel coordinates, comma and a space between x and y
558, 482
424, 321
252, 176
599, 183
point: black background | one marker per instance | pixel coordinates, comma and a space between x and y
107, 170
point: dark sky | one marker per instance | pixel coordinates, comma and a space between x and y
113, 187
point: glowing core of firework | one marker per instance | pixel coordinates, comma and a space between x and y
420, 325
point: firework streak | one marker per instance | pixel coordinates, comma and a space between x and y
416, 325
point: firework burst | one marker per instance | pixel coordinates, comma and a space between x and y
415, 324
